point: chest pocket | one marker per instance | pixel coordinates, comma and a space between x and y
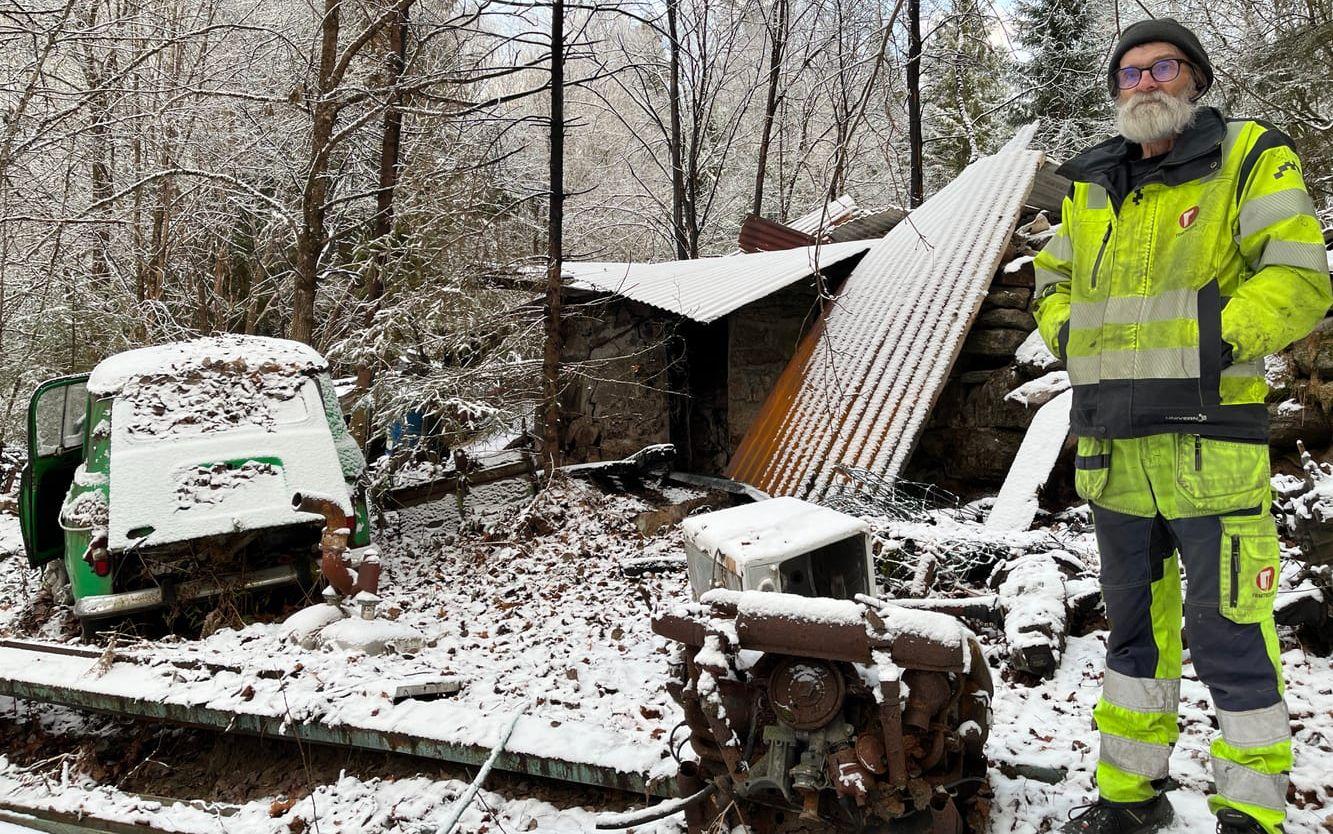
1192, 234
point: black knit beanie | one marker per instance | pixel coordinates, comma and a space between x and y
1164, 29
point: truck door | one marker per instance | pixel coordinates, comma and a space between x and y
56, 415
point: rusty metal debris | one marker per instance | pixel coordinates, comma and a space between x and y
332, 546
857, 712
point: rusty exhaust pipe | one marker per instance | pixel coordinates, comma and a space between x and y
332, 542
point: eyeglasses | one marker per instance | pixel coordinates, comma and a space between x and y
1162, 71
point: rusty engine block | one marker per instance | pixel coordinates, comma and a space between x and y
830, 713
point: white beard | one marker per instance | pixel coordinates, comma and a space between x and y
1152, 117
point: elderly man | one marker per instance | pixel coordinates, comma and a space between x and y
1189, 250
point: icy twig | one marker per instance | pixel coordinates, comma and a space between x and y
466, 799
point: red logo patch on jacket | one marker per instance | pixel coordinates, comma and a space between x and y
1187, 216
1264, 579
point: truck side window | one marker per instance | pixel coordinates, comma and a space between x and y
60, 415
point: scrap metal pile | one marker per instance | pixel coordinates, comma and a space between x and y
808, 700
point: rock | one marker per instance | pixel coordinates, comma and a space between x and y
1037, 392
1039, 224
304, 626
1280, 371
1023, 276
1307, 420
1008, 318
1013, 298
1311, 392
1034, 359
973, 454
977, 400
1315, 352
994, 343
372, 636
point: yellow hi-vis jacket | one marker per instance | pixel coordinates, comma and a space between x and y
1163, 301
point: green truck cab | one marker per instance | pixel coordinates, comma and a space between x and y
167, 474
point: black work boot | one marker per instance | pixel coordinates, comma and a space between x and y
1231, 821
1108, 818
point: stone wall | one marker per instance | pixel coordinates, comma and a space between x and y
616, 400
974, 433
762, 339
1300, 398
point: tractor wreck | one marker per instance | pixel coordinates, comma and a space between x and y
811, 701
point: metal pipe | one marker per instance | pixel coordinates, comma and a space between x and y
332, 542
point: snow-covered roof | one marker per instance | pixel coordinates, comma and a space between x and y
768, 531
860, 387
181, 358
706, 289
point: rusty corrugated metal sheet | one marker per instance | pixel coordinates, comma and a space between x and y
706, 289
862, 384
761, 235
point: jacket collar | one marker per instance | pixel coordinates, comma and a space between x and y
1194, 153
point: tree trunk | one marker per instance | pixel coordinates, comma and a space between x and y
916, 190
552, 430
677, 166
390, 164
310, 239
777, 37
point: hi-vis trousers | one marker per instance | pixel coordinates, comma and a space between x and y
1160, 502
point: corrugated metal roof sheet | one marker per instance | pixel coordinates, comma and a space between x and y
706, 289
863, 382
1048, 191
837, 211
874, 224
761, 235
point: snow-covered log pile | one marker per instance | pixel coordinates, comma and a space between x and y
1004, 374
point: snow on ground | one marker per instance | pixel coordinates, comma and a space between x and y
412, 805
538, 612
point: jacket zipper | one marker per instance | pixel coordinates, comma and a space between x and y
1198, 453
1235, 570
1097, 264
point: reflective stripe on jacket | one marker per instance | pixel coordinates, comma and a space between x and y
1164, 301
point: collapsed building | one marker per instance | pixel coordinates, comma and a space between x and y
704, 353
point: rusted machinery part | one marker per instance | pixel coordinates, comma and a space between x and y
917, 749
332, 542
806, 693
944, 816
927, 693
332, 546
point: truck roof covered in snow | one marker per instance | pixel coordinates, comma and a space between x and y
769, 531
260, 354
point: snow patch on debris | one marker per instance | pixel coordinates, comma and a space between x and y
1041, 390
1034, 353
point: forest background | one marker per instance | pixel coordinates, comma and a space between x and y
375, 177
